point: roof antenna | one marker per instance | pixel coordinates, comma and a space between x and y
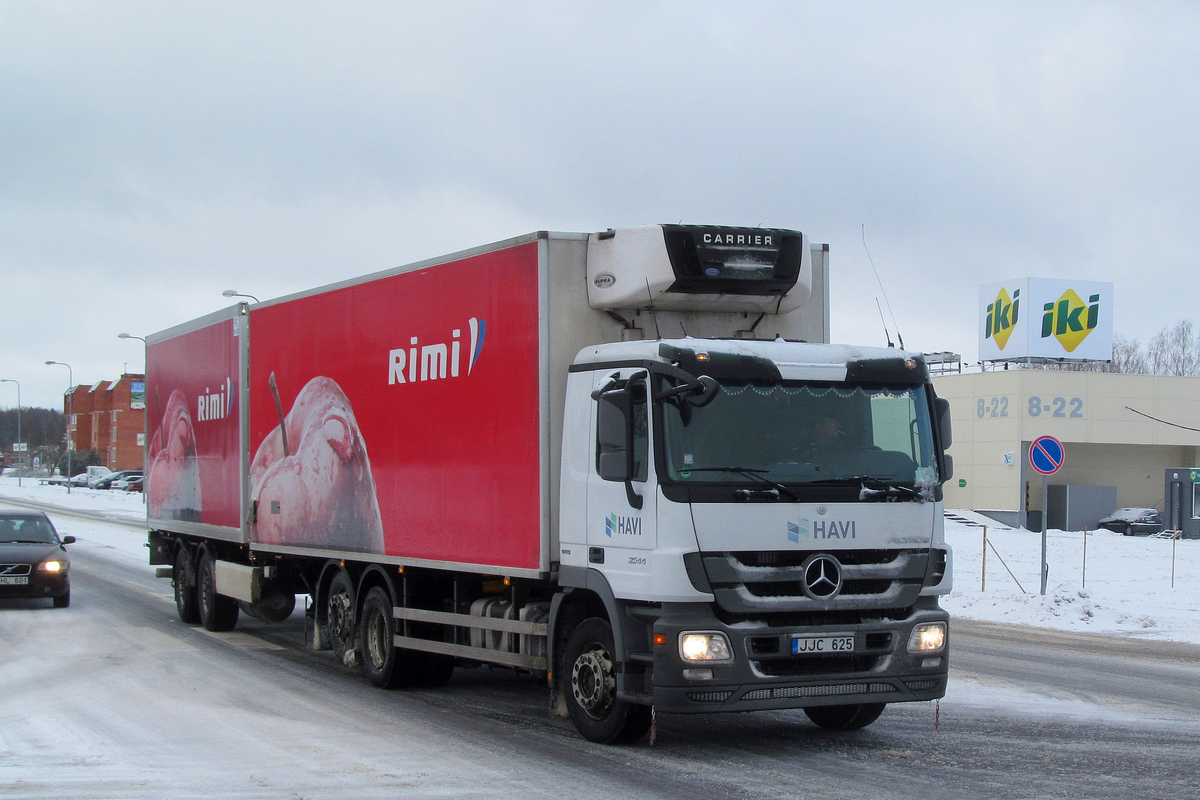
884, 291
653, 314
884, 321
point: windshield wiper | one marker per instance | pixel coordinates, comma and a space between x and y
890, 490
755, 474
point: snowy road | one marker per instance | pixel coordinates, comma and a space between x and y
114, 697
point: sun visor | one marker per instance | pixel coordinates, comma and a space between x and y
699, 268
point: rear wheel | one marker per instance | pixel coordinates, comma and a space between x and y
383, 662
63, 600
845, 718
388, 666
339, 619
592, 701
186, 602
217, 612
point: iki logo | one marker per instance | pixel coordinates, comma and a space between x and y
821, 529
1070, 319
430, 362
622, 526
1002, 317
215, 405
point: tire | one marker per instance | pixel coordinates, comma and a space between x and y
384, 664
845, 718
184, 578
388, 666
63, 600
339, 620
591, 689
217, 612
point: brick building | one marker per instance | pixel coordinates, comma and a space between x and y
110, 418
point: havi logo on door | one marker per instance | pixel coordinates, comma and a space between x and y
622, 526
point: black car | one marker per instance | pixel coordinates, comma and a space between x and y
1133, 521
33, 560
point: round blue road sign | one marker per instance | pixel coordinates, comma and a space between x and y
1047, 454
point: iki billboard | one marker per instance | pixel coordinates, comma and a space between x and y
1042, 318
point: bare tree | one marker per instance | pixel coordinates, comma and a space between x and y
1174, 351
1127, 357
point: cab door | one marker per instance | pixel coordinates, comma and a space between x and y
621, 510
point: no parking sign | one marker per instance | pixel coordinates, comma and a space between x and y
1047, 454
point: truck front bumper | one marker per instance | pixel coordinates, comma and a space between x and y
764, 673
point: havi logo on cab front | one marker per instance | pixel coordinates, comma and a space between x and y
431, 362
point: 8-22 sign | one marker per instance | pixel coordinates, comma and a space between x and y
1065, 407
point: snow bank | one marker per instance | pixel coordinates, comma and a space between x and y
1127, 587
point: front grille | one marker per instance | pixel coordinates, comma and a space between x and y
15, 569
709, 697
771, 582
923, 685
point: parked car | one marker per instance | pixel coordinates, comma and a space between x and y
89, 476
1133, 521
117, 480
33, 558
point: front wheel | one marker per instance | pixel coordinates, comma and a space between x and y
63, 600
845, 718
592, 700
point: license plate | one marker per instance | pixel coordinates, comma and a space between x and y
819, 645
8, 580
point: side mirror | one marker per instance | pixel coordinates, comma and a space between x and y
943, 415
615, 434
68, 540
948, 464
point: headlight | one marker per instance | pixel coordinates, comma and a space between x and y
704, 646
53, 565
929, 637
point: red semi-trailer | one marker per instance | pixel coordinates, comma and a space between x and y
590, 457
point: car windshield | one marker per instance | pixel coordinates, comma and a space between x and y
802, 432
26, 529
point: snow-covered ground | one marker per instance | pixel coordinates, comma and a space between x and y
1127, 587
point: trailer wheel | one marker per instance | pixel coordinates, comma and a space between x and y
845, 718
217, 612
339, 620
184, 579
592, 701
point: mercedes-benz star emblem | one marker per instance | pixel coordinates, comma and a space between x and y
822, 577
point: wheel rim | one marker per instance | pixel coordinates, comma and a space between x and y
180, 581
340, 616
592, 681
377, 634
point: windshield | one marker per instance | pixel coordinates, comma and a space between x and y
792, 432
26, 529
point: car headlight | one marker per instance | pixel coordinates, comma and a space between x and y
929, 637
704, 646
53, 565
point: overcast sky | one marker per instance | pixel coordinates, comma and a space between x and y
153, 154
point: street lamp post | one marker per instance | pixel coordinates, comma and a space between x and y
236, 293
70, 413
10, 380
